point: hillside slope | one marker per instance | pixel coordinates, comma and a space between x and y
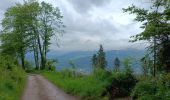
82, 59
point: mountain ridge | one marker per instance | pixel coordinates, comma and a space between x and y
82, 59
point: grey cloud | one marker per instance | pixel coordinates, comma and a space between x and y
5, 4
89, 27
93, 22
79, 44
83, 6
8, 3
104, 26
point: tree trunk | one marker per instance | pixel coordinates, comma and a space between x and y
22, 59
36, 58
41, 53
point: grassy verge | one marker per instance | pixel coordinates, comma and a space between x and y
12, 82
153, 88
99, 86
87, 87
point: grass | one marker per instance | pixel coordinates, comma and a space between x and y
88, 87
12, 82
153, 88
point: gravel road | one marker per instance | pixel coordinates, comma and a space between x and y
39, 88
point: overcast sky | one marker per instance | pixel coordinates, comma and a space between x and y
90, 23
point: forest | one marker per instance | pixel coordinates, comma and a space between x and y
31, 26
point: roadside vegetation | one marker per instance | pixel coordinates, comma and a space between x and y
12, 79
26, 28
152, 88
87, 87
154, 84
101, 84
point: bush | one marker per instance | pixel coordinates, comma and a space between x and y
97, 86
143, 88
50, 64
153, 88
121, 84
12, 80
12, 83
101, 74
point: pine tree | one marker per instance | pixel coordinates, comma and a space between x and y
116, 64
127, 66
94, 61
101, 61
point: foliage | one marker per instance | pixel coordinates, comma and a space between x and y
30, 27
156, 30
14, 36
127, 66
97, 86
99, 60
101, 74
144, 88
116, 64
51, 25
153, 88
12, 79
87, 87
73, 68
50, 64
147, 65
94, 61
121, 84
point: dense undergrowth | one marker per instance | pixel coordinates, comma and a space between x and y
98, 86
87, 87
105, 85
153, 88
12, 80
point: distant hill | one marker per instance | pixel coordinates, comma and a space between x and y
82, 59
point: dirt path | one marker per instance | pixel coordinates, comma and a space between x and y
38, 88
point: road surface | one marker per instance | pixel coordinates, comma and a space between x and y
38, 88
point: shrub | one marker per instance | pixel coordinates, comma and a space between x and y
101, 74
143, 88
121, 84
154, 88
12, 79
88, 87
50, 64
12, 83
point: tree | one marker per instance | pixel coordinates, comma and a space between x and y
98, 60
50, 65
127, 64
73, 65
50, 25
15, 33
94, 61
34, 9
101, 61
116, 64
30, 27
156, 30
147, 65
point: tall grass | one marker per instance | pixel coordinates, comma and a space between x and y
101, 85
12, 82
89, 87
153, 88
